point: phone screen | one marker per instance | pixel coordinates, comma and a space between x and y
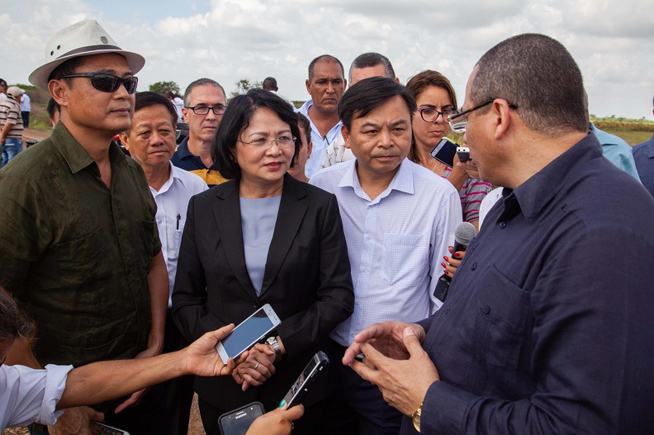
444, 152
247, 333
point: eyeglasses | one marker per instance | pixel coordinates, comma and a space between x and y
281, 141
201, 109
431, 115
105, 82
459, 122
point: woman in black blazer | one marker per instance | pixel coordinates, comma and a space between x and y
294, 257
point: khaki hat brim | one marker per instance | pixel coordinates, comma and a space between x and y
39, 76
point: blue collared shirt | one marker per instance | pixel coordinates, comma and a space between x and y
644, 158
320, 143
395, 242
616, 150
547, 327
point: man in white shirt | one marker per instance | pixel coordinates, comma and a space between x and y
25, 109
326, 84
28, 395
398, 218
151, 142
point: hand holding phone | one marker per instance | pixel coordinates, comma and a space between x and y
248, 333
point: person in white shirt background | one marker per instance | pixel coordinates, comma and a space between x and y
151, 142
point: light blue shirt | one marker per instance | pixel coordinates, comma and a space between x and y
320, 143
617, 151
172, 203
258, 219
395, 242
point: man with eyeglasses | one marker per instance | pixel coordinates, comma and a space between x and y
204, 105
80, 249
547, 328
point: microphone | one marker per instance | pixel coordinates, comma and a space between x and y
464, 232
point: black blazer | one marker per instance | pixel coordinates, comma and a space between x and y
307, 281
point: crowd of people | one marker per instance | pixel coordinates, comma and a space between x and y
121, 271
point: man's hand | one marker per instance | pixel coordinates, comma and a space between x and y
202, 357
76, 421
256, 368
277, 422
153, 350
386, 337
403, 383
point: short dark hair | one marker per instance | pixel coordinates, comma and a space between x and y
3, 83
369, 94
201, 82
539, 76
65, 69
237, 118
53, 107
368, 60
13, 322
328, 58
147, 99
270, 84
306, 126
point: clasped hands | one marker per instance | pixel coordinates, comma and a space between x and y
395, 362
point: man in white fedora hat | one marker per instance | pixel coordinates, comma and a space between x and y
80, 250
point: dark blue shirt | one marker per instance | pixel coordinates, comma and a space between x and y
548, 325
184, 159
644, 158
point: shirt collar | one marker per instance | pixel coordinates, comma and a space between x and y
172, 178
75, 155
402, 181
182, 149
538, 190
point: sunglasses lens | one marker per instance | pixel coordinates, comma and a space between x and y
105, 82
130, 84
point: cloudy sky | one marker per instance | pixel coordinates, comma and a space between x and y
612, 40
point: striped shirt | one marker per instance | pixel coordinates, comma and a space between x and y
10, 113
472, 193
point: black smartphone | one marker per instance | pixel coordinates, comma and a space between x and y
98, 428
238, 421
464, 154
444, 152
308, 376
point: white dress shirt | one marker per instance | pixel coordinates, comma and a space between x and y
396, 242
172, 202
28, 395
320, 143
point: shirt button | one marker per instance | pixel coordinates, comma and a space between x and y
502, 224
368, 237
486, 309
474, 266
364, 270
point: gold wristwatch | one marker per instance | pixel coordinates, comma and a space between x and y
416, 418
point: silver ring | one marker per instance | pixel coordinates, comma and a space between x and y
292, 425
257, 365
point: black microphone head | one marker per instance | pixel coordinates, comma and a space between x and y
464, 232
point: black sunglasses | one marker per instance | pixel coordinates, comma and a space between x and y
106, 82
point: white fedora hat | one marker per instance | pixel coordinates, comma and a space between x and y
84, 38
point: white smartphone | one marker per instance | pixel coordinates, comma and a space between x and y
248, 333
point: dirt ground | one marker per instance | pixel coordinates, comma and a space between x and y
194, 427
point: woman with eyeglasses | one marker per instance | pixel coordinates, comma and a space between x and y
263, 237
436, 101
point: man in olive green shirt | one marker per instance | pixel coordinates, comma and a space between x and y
80, 248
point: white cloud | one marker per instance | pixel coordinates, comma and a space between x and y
232, 39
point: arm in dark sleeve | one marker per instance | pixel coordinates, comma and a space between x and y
592, 348
189, 293
335, 296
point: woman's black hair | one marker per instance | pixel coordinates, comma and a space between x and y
237, 118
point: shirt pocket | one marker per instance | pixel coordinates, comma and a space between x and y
405, 257
502, 311
176, 242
